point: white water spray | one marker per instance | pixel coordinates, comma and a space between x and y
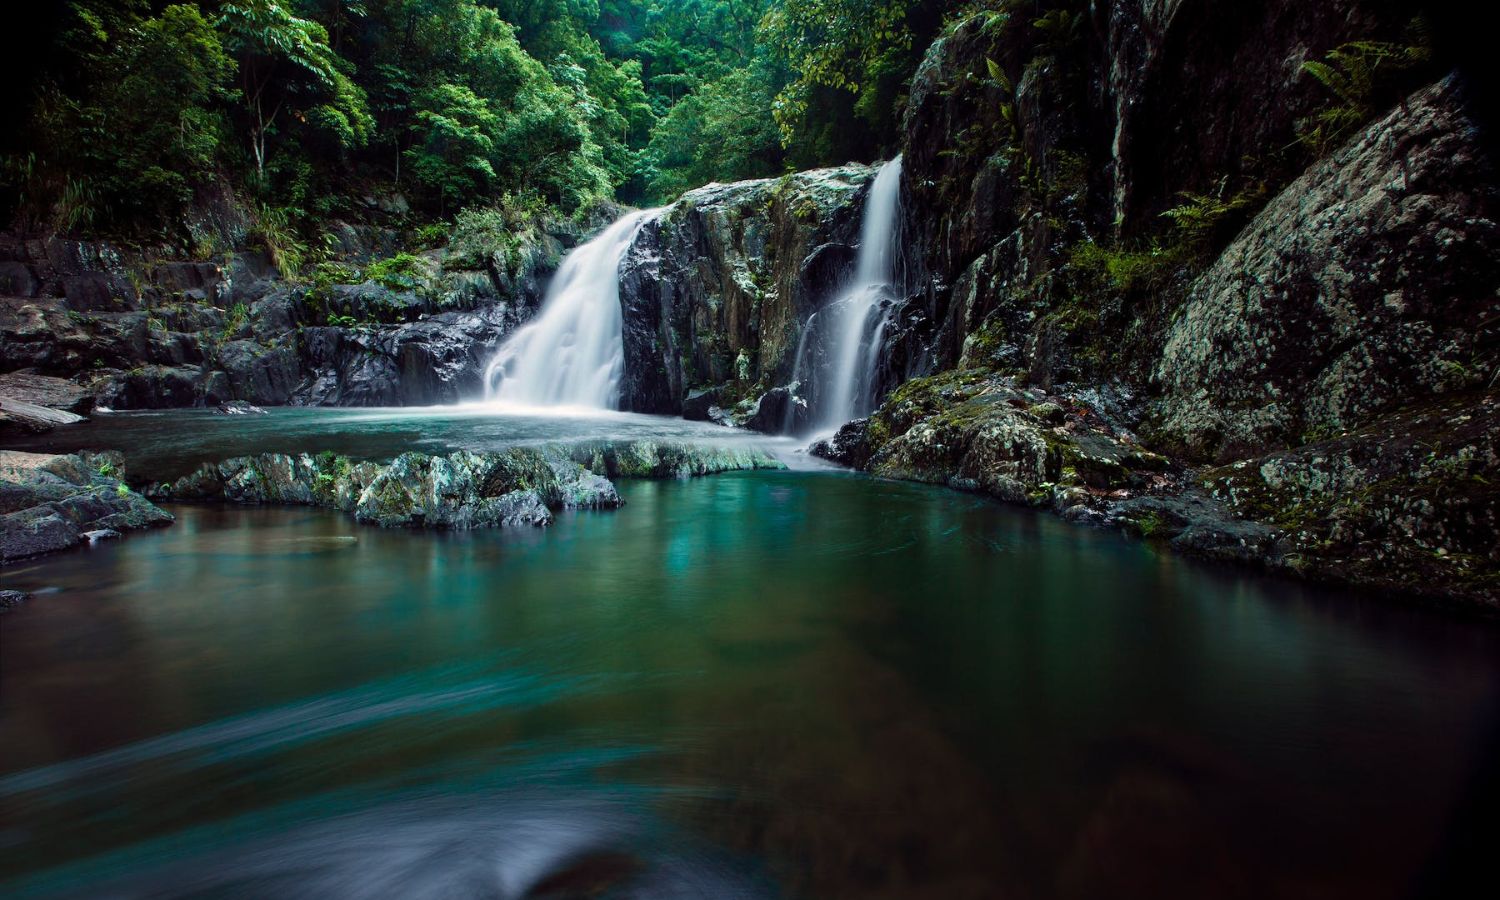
852, 328
573, 352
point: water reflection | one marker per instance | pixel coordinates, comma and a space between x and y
808, 685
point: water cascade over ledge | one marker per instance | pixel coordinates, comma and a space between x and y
573, 352
851, 329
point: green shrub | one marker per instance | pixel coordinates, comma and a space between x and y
237, 316
402, 272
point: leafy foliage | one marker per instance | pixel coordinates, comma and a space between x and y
303, 109
1360, 77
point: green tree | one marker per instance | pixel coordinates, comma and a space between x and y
456, 141
719, 132
286, 67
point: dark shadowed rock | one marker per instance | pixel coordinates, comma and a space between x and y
849, 446
699, 404
779, 411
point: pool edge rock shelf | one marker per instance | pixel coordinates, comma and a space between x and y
51, 502
459, 491
1407, 504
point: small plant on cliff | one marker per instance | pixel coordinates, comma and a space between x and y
1057, 29
1204, 220
274, 226
1123, 269
402, 272
1151, 524
237, 316
1361, 76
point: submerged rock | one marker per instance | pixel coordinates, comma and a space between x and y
12, 599
239, 408
53, 502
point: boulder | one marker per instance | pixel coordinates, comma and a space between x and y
978, 431
1372, 281
698, 405
53, 502
731, 271
849, 446
779, 411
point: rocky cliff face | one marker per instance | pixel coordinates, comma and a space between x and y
139, 334
1295, 368
1028, 142
717, 289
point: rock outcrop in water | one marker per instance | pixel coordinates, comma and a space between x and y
459, 491
50, 503
717, 289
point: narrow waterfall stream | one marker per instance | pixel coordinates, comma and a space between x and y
849, 331
573, 352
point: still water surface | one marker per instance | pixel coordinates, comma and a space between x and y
790, 684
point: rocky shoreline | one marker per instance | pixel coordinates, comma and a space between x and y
51, 502
1415, 517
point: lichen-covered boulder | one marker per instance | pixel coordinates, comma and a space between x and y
50, 502
657, 459
460, 491
1372, 281
849, 446
1410, 501
977, 431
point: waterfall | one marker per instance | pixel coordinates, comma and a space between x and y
573, 352
851, 329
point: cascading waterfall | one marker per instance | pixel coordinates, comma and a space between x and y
573, 352
851, 329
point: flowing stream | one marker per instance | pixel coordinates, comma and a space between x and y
850, 330
573, 353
